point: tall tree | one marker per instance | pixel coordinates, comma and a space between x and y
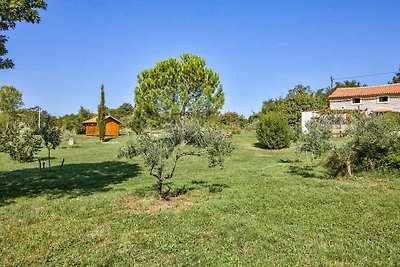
10, 99
11, 12
174, 89
101, 123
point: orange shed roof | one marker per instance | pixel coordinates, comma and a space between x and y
94, 120
387, 89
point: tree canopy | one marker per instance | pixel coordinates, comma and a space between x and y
348, 83
396, 78
10, 99
12, 12
174, 88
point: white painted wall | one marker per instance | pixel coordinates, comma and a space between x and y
306, 116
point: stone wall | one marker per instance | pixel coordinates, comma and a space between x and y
367, 103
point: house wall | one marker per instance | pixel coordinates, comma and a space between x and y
369, 103
307, 116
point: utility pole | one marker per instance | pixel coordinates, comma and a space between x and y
331, 82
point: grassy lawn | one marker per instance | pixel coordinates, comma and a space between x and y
261, 209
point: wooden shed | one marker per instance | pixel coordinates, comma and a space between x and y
112, 126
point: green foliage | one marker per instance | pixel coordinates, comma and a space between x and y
273, 131
122, 113
45, 215
10, 99
21, 144
393, 118
137, 122
101, 123
174, 89
396, 78
339, 162
347, 84
373, 145
16, 138
298, 99
12, 12
233, 121
317, 138
51, 136
183, 139
73, 122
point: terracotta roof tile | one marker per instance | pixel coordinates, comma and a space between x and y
377, 90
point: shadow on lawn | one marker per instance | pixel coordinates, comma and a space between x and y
74, 180
259, 145
304, 171
171, 192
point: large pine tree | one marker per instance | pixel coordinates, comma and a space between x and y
101, 123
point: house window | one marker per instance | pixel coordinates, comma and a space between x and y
383, 99
356, 100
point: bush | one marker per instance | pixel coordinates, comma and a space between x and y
393, 118
273, 131
374, 144
21, 144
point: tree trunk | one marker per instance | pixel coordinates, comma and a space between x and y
49, 160
349, 172
160, 186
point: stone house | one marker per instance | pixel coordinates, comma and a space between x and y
379, 98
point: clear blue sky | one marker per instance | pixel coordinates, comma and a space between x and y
260, 48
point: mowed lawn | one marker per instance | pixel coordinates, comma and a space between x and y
262, 209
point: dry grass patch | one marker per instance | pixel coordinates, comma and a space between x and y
154, 204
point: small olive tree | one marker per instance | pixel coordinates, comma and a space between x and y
317, 138
373, 144
162, 153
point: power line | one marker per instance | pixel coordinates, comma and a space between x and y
360, 76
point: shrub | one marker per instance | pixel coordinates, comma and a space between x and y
393, 118
374, 144
273, 131
21, 144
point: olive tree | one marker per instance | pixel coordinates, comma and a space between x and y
317, 138
373, 144
162, 153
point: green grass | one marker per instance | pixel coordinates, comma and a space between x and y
261, 209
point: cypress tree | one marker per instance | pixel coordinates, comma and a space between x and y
101, 123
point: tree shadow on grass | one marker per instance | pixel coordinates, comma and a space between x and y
304, 171
171, 191
259, 145
74, 180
